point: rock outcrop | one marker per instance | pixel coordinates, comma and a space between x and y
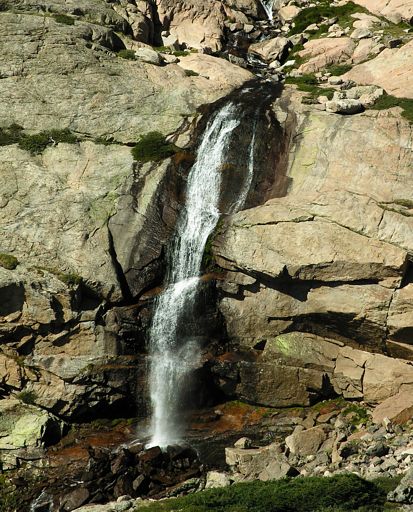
25, 431
394, 10
330, 258
392, 70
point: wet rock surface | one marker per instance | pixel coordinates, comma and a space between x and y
130, 471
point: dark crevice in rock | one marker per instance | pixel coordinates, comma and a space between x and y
11, 299
260, 345
408, 273
118, 269
359, 333
296, 288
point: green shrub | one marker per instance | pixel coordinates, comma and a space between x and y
8, 261
127, 54
64, 19
387, 101
70, 279
324, 10
8, 495
162, 49
208, 261
152, 147
104, 141
342, 492
37, 143
27, 397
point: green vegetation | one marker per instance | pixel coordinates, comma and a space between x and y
8, 261
10, 135
68, 278
190, 72
63, 18
358, 415
309, 83
294, 51
208, 257
324, 11
338, 69
27, 397
387, 101
180, 53
339, 493
104, 141
387, 483
36, 143
152, 147
127, 54
171, 51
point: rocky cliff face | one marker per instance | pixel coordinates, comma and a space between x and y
314, 281
68, 343
331, 257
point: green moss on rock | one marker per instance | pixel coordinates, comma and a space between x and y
127, 54
8, 261
64, 19
388, 101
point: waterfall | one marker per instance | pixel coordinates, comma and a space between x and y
268, 7
171, 357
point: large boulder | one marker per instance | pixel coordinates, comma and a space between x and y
404, 491
398, 408
306, 442
383, 69
25, 431
267, 463
320, 53
270, 49
297, 369
394, 10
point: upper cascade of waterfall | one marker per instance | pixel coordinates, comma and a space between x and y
268, 6
201, 212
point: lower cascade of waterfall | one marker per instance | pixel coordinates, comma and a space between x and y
175, 353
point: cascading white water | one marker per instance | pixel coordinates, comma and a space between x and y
268, 8
171, 358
